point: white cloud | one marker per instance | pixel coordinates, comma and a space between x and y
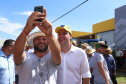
9, 27
28, 13
14, 28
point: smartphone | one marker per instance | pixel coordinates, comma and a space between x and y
39, 9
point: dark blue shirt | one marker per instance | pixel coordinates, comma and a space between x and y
110, 63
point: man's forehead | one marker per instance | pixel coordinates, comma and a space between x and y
102, 47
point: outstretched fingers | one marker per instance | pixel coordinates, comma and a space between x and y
45, 14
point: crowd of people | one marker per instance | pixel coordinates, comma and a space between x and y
40, 58
102, 63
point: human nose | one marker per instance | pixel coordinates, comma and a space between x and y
60, 35
41, 40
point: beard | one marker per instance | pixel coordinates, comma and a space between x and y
36, 47
101, 52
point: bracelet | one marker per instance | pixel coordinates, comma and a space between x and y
25, 33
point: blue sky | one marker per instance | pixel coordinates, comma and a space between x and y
14, 14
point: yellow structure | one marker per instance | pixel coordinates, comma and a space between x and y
104, 26
76, 34
97, 28
1, 41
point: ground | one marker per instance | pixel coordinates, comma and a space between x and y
121, 76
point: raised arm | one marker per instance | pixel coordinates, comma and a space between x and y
55, 49
54, 46
102, 71
20, 43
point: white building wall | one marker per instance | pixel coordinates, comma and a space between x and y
107, 36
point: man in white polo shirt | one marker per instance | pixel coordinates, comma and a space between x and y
119, 55
74, 65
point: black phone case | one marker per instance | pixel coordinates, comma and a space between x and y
39, 9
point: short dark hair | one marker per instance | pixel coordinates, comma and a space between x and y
8, 42
105, 46
101, 45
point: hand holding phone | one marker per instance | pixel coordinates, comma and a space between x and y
39, 9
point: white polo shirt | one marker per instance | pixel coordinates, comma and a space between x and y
119, 53
74, 67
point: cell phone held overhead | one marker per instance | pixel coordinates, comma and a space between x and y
39, 9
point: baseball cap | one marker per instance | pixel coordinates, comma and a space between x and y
100, 44
63, 27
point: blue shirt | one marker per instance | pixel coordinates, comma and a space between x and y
7, 69
110, 63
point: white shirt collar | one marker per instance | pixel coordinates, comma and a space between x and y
72, 49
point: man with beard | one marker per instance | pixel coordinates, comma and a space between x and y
99, 66
39, 67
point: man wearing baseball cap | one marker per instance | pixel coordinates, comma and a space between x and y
99, 66
39, 67
74, 65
